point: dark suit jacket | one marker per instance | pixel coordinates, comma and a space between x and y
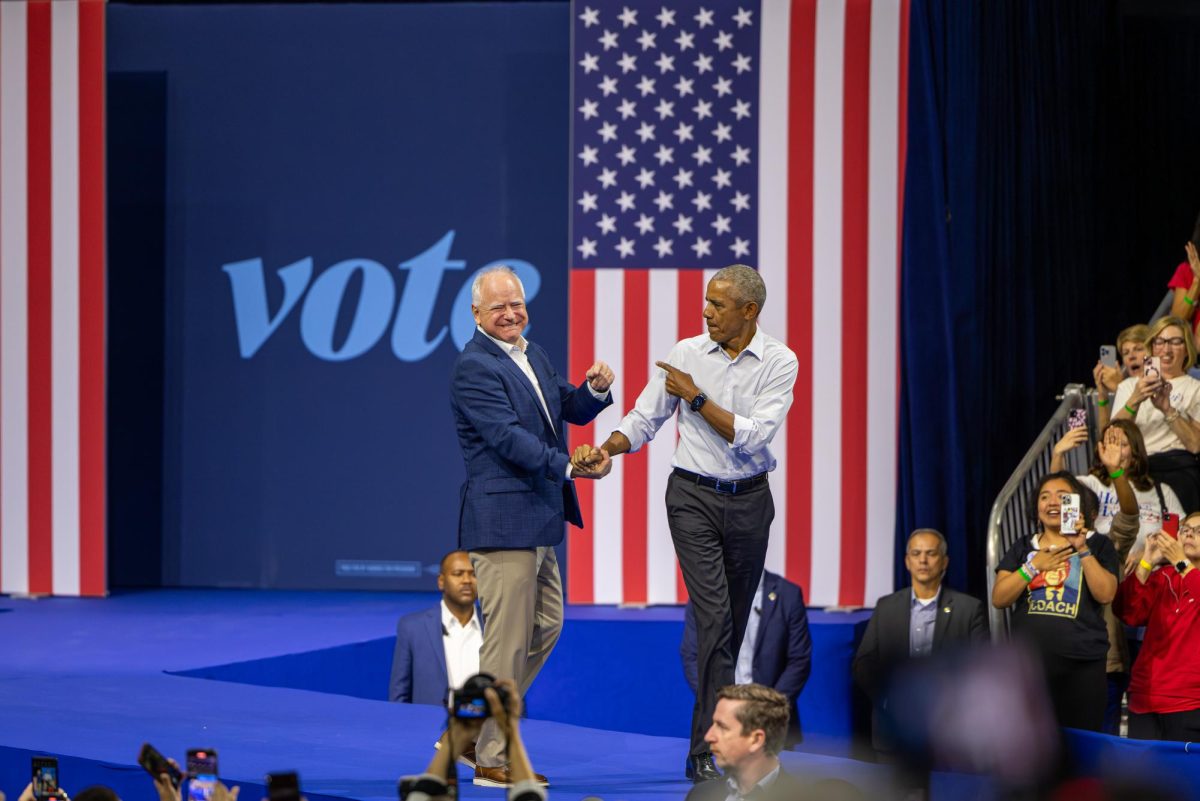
884, 646
782, 652
786, 787
419, 662
516, 494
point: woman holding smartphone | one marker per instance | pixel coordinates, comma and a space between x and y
1165, 404
1164, 693
1057, 582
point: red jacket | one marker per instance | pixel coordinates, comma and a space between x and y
1166, 675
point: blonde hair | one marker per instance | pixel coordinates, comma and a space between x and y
1163, 323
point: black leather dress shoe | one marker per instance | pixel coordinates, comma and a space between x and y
701, 768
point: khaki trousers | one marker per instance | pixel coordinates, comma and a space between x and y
520, 592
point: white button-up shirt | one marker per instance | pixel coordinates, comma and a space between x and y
743, 671
462, 645
756, 387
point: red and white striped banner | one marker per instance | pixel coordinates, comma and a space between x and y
52, 297
831, 153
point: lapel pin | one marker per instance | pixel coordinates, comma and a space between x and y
771, 596
946, 609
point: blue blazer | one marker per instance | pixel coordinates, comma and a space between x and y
419, 662
783, 651
516, 494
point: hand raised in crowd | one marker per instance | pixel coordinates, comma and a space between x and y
588, 461
163, 786
1110, 449
1106, 379
506, 716
1071, 440
1193, 258
600, 376
1170, 549
679, 383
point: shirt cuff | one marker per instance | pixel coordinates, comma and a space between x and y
597, 395
742, 428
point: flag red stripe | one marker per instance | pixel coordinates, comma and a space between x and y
633, 487
92, 567
801, 72
855, 280
688, 315
39, 299
581, 582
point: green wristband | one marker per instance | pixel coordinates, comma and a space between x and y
1188, 301
1131, 411
1120, 471
1021, 570
1102, 401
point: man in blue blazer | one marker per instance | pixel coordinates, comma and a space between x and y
777, 645
438, 648
510, 409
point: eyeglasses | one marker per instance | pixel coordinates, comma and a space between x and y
1174, 342
1193, 530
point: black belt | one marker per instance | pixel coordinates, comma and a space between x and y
728, 486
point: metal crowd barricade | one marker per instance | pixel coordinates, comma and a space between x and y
1009, 520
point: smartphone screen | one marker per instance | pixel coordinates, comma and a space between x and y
45, 777
1170, 524
1108, 355
283, 786
1069, 513
1153, 368
202, 773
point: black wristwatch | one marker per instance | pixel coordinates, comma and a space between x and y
1181, 565
698, 402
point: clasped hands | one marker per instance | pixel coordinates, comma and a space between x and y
588, 461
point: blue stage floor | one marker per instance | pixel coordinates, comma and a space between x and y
90, 680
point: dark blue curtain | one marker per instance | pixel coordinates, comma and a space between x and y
1049, 191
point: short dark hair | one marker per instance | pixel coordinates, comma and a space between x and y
446, 558
97, 792
1089, 504
763, 708
943, 548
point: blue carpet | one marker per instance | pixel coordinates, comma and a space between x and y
90, 680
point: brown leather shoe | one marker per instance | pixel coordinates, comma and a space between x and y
467, 758
501, 777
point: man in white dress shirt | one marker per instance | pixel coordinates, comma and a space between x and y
732, 389
438, 648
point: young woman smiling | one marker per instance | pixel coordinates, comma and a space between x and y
1057, 582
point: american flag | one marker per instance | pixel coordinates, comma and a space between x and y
52, 297
767, 133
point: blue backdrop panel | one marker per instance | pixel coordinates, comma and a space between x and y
333, 177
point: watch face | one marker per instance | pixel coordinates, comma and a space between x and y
1181, 565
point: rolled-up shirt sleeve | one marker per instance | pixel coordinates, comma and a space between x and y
754, 433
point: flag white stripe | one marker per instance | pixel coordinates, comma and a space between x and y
64, 266
826, 418
608, 496
663, 333
14, 401
774, 56
882, 297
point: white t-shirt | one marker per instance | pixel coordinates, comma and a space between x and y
1185, 397
1149, 510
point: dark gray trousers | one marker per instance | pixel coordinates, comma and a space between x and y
721, 542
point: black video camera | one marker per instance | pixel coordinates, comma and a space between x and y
469, 703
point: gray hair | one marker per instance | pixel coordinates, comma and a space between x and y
747, 283
942, 547
477, 284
